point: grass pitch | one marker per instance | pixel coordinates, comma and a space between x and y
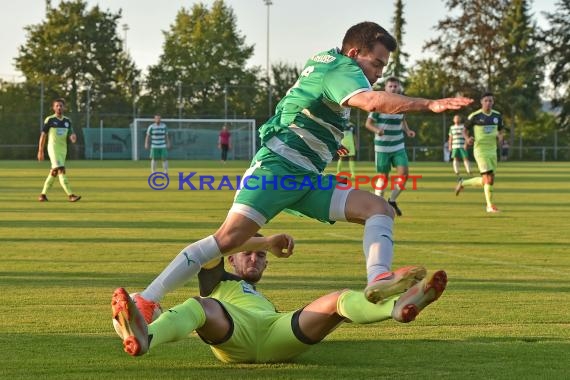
505, 314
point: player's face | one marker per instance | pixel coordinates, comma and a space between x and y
249, 265
157, 119
393, 87
456, 119
487, 103
373, 62
58, 108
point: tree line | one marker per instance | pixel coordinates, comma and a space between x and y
482, 45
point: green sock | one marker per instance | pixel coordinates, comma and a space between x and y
354, 306
176, 323
488, 189
352, 166
65, 184
48, 183
339, 165
475, 181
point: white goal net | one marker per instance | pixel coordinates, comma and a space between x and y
197, 139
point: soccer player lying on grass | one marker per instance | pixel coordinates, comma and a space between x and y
297, 143
242, 326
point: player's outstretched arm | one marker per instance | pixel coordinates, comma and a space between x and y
385, 102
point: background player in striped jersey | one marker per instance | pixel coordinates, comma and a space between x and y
242, 326
56, 130
486, 125
298, 143
389, 147
456, 145
159, 142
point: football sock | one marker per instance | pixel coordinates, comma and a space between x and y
467, 166
65, 184
339, 165
488, 189
176, 323
475, 181
153, 166
380, 186
185, 265
352, 166
378, 245
48, 183
354, 306
165, 166
395, 193
456, 167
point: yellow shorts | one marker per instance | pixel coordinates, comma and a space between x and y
259, 337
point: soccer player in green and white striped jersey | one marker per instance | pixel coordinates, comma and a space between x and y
297, 143
56, 131
159, 142
389, 147
456, 144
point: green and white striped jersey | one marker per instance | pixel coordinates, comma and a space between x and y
157, 135
393, 138
457, 138
309, 121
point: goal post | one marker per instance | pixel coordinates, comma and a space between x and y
197, 139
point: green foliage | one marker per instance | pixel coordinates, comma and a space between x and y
521, 70
75, 48
557, 41
470, 44
396, 66
203, 53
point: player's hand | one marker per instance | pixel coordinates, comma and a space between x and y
441, 105
411, 133
342, 151
73, 138
40, 155
380, 132
470, 141
281, 245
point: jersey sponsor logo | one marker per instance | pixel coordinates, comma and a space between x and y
488, 128
323, 58
248, 288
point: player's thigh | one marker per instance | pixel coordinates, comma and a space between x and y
383, 162
462, 153
241, 345
486, 162
399, 158
57, 158
268, 193
282, 341
325, 202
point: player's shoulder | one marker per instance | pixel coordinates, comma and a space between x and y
495, 112
474, 113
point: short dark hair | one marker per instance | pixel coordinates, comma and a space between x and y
487, 93
58, 100
365, 35
393, 79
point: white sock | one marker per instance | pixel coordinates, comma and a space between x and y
153, 166
379, 191
395, 193
456, 167
185, 265
378, 245
165, 166
467, 166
